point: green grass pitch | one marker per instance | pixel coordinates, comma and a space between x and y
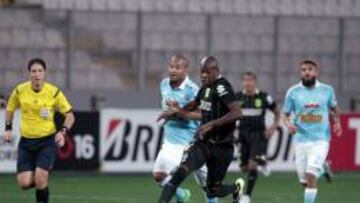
90, 188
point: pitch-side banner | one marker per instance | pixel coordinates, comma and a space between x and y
130, 140
345, 150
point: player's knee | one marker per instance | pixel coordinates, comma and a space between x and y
252, 165
25, 182
41, 179
159, 176
311, 180
179, 175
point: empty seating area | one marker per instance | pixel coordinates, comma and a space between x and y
333, 8
109, 44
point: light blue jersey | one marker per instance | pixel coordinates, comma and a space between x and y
179, 131
311, 109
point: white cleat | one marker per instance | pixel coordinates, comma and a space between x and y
245, 199
240, 183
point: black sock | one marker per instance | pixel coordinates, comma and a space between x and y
252, 177
170, 188
42, 196
221, 191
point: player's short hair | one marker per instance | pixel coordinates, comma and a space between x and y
36, 61
182, 58
251, 74
209, 62
310, 62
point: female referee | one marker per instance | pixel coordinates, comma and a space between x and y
37, 101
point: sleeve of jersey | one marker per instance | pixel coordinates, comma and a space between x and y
288, 103
13, 102
225, 92
62, 104
270, 102
332, 99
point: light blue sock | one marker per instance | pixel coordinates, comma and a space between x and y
310, 195
212, 200
180, 193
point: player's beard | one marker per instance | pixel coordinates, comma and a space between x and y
308, 82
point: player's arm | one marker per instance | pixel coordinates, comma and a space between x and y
12, 105
64, 107
288, 107
335, 113
186, 113
226, 96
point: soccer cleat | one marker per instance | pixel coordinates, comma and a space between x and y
185, 198
240, 183
245, 199
328, 174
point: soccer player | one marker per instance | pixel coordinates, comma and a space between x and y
37, 101
178, 132
214, 143
311, 102
253, 134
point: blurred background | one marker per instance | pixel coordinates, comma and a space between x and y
108, 57
115, 51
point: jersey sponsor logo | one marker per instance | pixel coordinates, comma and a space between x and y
258, 103
251, 112
221, 90
311, 118
312, 105
204, 105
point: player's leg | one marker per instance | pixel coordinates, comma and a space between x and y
25, 165
166, 161
217, 164
317, 153
244, 151
200, 177
255, 148
301, 162
193, 158
45, 159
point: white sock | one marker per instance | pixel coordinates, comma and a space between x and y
310, 195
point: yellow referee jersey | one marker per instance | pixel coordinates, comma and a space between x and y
37, 108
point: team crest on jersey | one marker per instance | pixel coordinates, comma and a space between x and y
258, 103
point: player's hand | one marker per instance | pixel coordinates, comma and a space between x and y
165, 115
205, 129
292, 128
8, 136
337, 129
270, 131
60, 139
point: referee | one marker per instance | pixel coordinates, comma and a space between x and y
253, 135
37, 101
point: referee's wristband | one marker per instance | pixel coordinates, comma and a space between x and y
8, 126
64, 130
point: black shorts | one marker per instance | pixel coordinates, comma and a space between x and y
38, 152
217, 158
253, 146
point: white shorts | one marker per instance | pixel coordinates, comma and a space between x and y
170, 157
310, 158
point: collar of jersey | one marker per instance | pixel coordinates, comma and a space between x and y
183, 84
257, 91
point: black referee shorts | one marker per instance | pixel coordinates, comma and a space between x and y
253, 146
217, 158
36, 152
